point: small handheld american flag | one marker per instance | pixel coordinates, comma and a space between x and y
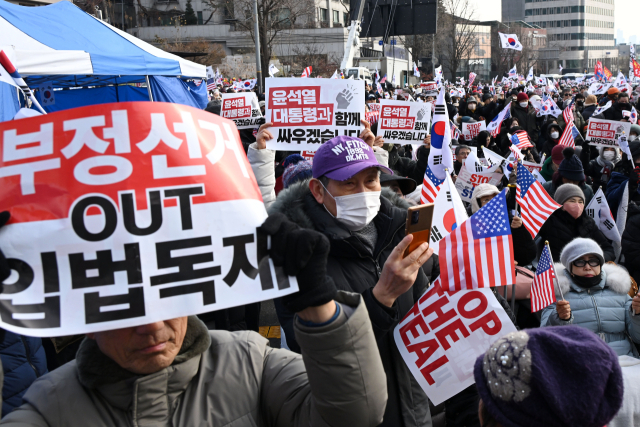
479, 253
307, 72
542, 291
569, 135
535, 203
430, 187
521, 140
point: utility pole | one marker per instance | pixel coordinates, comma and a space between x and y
257, 39
122, 15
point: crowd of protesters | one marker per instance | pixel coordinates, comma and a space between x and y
339, 227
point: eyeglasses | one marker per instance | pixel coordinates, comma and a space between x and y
581, 263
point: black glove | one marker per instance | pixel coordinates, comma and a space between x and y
5, 271
302, 253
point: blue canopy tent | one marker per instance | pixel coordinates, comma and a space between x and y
91, 61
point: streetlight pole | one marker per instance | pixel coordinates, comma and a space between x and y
257, 39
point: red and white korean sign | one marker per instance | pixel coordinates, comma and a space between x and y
404, 122
307, 113
443, 335
429, 86
471, 130
125, 214
243, 109
605, 133
374, 107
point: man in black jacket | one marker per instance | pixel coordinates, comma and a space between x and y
367, 241
526, 116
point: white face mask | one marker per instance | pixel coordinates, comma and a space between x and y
524, 104
633, 138
608, 155
555, 135
356, 211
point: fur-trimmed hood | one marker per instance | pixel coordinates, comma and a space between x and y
291, 203
615, 278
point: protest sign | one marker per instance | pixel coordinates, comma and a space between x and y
307, 113
532, 166
404, 122
605, 133
374, 107
472, 174
441, 337
429, 87
243, 109
471, 130
128, 213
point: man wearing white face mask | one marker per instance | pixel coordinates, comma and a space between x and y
601, 168
366, 233
526, 116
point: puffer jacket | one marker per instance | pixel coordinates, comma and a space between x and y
355, 268
262, 164
223, 379
604, 309
23, 362
631, 241
578, 121
561, 228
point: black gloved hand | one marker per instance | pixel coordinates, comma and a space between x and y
302, 253
5, 271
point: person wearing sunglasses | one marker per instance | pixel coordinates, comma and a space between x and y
595, 297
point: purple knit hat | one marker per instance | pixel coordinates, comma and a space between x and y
557, 376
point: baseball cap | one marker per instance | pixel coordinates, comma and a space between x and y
342, 157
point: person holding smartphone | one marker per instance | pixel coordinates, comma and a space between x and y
367, 240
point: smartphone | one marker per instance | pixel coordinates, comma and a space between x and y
419, 220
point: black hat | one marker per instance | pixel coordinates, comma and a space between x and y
571, 166
371, 96
407, 185
485, 97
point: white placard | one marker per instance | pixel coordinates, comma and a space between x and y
308, 112
243, 108
471, 130
404, 122
441, 337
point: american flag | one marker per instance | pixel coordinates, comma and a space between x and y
542, 290
455, 132
568, 135
211, 84
567, 113
307, 72
494, 126
372, 116
535, 203
479, 253
521, 140
430, 187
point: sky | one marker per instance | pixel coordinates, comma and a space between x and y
625, 16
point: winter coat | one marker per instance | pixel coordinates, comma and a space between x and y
551, 190
615, 191
262, 163
631, 241
526, 120
561, 228
588, 112
604, 309
547, 171
23, 362
354, 268
614, 112
222, 378
601, 171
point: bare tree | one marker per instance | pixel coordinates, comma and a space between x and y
274, 16
312, 54
456, 37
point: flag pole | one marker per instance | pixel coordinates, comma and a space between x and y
546, 243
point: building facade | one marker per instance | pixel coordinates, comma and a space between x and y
579, 33
512, 10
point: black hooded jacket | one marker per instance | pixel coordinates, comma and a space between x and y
561, 228
354, 268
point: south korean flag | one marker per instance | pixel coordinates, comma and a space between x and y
598, 209
448, 213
